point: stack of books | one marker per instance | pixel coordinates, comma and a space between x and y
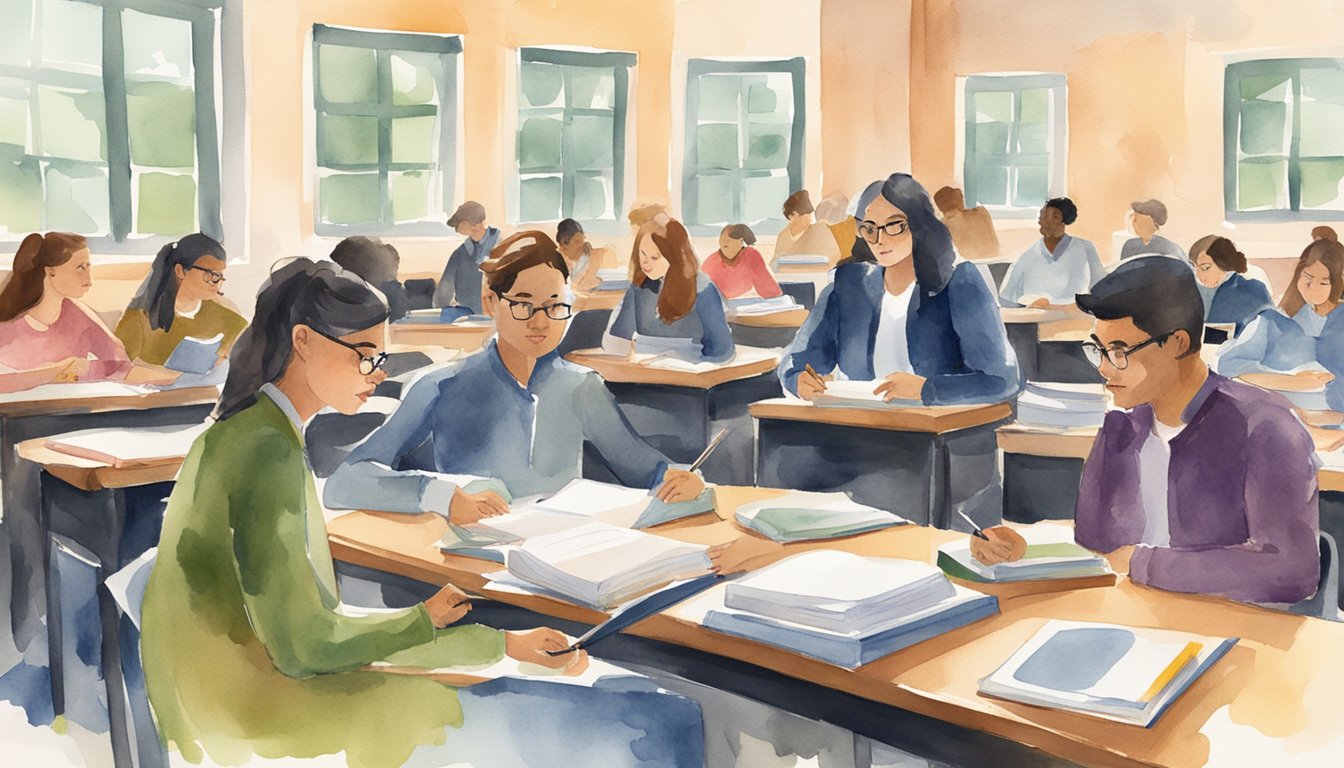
1051, 554
845, 609
803, 260
614, 279
756, 305
810, 515
1049, 404
1125, 674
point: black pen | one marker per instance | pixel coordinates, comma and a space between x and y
975, 529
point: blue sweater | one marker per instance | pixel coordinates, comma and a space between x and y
704, 328
956, 336
1238, 300
460, 285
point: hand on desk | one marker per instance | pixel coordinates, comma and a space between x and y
531, 646
470, 507
1003, 545
680, 485
811, 384
70, 369
1041, 303
447, 606
742, 554
901, 386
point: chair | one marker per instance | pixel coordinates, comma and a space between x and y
1325, 603
420, 293
585, 330
330, 437
127, 588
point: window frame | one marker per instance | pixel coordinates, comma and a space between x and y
1058, 152
796, 69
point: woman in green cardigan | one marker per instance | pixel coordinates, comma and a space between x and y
247, 649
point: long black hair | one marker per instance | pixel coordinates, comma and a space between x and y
158, 294
299, 291
933, 252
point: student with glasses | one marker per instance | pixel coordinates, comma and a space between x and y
912, 316
1197, 483
514, 414
1055, 267
180, 298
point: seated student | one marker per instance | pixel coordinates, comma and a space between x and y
46, 333
377, 264
803, 236
515, 412
1057, 267
1145, 217
584, 261
1161, 491
1227, 295
737, 269
671, 306
180, 299
460, 285
831, 211
247, 648
972, 229
922, 322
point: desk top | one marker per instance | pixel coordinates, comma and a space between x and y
1276, 695
1019, 315
468, 336
99, 397
788, 318
90, 475
935, 419
598, 300
750, 361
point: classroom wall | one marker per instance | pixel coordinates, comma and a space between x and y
1145, 85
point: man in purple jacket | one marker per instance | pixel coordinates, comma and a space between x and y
1202, 484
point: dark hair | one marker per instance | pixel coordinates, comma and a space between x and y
158, 294
1327, 252
798, 202
566, 230
320, 295
1153, 209
373, 260
23, 289
518, 252
1158, 293
1066, 208
740, 232
1226, 256
933, 253
1200, 246
676, 298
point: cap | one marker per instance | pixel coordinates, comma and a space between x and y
470, 212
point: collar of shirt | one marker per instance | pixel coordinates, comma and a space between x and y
1060, 247
540, 372
279, 398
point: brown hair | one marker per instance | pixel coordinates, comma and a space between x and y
1330, 254
23, 290
676, 298
1324, 233
740, 232
1200, 246
643, 214
518, 252
949, 199
1225, 255
798, 202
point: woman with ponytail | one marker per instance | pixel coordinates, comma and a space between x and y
180, 299
46, 333
246, 647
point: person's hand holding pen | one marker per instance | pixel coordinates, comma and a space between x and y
811, 383
447, 606
532, 646
685, 484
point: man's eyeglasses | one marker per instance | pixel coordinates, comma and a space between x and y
367, 365
211, 276
870, 229
524, 310
1119, 356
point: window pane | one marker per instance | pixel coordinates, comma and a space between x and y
714, 201
1264, 127
413, 139
591, 137
991, 185
541, 84
591, 88
1322, 129
592, 197
539, 198
73, 123
347, 75
767, 146
716, 146
165, 204
1262, 183
347, 140
161, 118
1274, 86
72, 34
14, 113
993, 107
414, 77
761, 99
1323, 183
76, 198
351, 198
763, 197
20, 191
15, 42
539, 143
1032, 188
156, 47
991, 139
719, 98
411, 195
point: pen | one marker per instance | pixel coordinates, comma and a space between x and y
708, 450
975, 529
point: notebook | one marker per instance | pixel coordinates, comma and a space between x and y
1125, 674
810, 515
1051, 554
126, 446
802, 259
758, 306
195, 355
1062, 405
858, 394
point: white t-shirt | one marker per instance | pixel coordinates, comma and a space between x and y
891, 349
1154, 466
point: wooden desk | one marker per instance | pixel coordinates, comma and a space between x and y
678, 411
1276, 696
597, 300
775, 329
464, 336
923, 464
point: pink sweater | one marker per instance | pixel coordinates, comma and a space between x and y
74, 334
747, 271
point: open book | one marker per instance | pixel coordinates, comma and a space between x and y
666, 360
858, 394
1125, 674
125, 446
809, 515
1051, 554
195, 355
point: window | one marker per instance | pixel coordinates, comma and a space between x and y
571, 134
386, 130
107, 120
1015, 136
745, 128
1283, 147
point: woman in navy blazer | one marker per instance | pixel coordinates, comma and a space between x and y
1229, 296
954, 348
